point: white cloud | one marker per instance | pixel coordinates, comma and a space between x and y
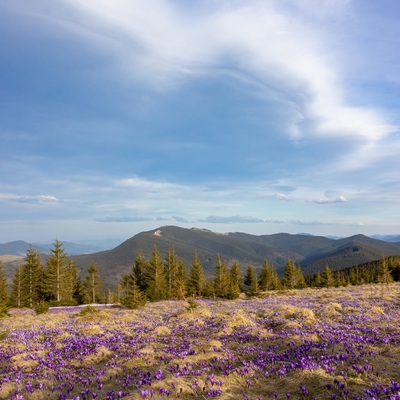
29, 198
281, 196
277, 47
325, 200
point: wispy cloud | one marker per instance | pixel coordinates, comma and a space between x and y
234, 220
177, 218
264, 40
207, 112
325, 200
124, 219
281, 196
28, 198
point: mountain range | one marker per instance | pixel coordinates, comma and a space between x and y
312, 253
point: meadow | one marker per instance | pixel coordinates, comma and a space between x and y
333, 343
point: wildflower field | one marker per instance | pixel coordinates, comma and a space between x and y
300, 344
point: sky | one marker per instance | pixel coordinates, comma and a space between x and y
257, 116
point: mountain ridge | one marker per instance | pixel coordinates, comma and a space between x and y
312, 253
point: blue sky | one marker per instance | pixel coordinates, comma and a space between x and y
231, 115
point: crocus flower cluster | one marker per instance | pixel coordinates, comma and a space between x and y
309, 344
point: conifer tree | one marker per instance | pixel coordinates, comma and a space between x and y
179, 287
339, 279
268, 278
235, 275
17, 289
155, 277
32, 279
382, 272
221, 279
251, 281
56, 272
71, 284
134, 297
327, 279
301, 282
3, 292
317, 281
293, 277
197, 279
125, 283
140, 271
92, 286
235, 281
170, 270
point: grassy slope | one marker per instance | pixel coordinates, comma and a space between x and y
250, 339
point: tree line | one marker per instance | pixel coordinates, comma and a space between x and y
57, 282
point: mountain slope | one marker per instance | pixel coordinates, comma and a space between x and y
311, 252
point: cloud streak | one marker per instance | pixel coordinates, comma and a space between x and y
203, 112
265, 42
325, 200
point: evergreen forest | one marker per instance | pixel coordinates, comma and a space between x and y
57, 282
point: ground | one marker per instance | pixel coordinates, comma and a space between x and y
298, 344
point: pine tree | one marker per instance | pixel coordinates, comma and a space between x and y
170, 270
221, 279
156, 283
197, 279
56, 273
3, 292
32, 279
92, 286
268, 278
251, 281
327, 279
382, 272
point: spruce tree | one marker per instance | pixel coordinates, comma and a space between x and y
268, 278
300, 280
92, 286
179, 287
3, 292
139, 270
32, 279
327, 279
221, 279
155, 277
125, 283
197, 279
71, 284
56, 273
382, 272
251, 281
317, 280
235, 275
135, 297
293, 277
170, 270
17, 289
235, 281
